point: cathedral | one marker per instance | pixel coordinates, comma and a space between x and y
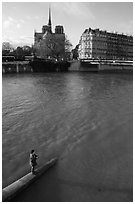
49, 44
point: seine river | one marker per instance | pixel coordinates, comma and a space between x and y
54, 112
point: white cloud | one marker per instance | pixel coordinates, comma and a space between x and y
10, 22
6, 24
10, 19
36, 17
22, 21
18, 25
76, 9
7, 38
23, 36
20, 41
28, 17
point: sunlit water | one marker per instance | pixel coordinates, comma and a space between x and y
53, 112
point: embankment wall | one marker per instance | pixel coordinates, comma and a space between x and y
16, 67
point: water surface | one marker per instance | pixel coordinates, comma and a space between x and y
54, 113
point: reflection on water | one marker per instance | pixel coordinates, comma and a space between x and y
54, 112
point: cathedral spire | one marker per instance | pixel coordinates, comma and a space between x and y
49, 21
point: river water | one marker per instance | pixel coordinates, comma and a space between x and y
54, 112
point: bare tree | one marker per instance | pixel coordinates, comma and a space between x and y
53, 46
68, 45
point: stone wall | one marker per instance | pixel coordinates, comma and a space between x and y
16, 67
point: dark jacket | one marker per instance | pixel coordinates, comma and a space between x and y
33, 158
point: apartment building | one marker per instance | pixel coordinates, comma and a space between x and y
98, 44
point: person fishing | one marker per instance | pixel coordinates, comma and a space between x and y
33, 161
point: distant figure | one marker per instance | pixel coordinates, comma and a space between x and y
33, 161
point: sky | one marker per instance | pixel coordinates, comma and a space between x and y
19, 19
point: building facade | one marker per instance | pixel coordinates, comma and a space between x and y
98, 44
48, 44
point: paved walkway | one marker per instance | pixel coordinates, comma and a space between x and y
96, 169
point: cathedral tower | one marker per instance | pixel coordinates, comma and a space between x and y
48, 43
